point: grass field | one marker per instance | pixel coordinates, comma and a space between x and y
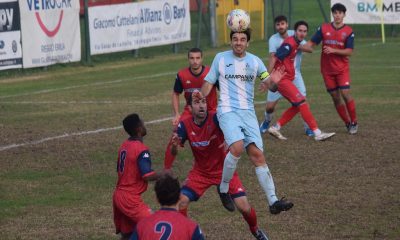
60, 131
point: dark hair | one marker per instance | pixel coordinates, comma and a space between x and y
338, 7
299, 23
247, 32
280, 18
131, 124
167, 190
195, 50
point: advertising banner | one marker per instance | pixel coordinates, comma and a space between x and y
50, 32
10, 35
130, 26
371, 11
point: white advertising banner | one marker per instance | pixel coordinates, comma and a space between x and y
370, 12
50, 32
10, 35
129, 26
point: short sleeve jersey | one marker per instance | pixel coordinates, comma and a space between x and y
340, 38
186, 81
168, 224
275, 41
206, 142
134, 163
286, 54
236, 77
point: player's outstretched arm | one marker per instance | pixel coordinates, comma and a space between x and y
342, 52
306, 48
206, 88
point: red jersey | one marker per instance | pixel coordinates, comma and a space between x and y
187, 82
207, 144
286, 54
340, 38
134, 162
167, 223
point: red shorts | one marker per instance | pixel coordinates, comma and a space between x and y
287, 89
128, 210
337, 80
197, 183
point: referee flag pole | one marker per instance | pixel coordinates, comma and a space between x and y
379, 5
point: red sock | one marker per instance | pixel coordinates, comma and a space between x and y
288, 115
342, 111
183, 211
351, 107
307, 116
168, 156
251, 219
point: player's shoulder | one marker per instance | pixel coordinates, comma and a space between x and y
347, 28
183, 71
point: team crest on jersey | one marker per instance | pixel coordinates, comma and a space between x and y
344, 35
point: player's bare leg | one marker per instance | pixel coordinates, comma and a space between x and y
265, 179
183, 204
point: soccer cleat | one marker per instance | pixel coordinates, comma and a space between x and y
260, 235
352, 128
264, 126
280, 205
226, 200
323, 136
309, 132
276, 133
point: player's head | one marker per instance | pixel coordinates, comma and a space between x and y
167, 190
240, 41
198, 106
338, 12
301, 29
134, 126
281, 24
195, 57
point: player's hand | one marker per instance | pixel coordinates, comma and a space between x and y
175, 120
328, 50
175, 140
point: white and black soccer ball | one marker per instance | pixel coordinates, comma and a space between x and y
238, 20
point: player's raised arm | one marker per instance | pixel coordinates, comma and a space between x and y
206, 88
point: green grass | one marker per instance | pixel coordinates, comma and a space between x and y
346, 188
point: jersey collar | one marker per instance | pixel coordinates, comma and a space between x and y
196, 75
140, 139
333, 26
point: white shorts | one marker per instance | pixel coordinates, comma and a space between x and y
298, 82
240, 125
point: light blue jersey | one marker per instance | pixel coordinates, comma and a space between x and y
236, 78
275, 41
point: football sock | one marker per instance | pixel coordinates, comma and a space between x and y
168, 156
351, 107
342, 111
307, 116
251, 219
288, 115
268, 116
230, 163
184, 212
267, 183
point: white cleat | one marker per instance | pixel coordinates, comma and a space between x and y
276, 133
323, 136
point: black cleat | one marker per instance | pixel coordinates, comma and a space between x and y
260, 235
280, 205
226, 200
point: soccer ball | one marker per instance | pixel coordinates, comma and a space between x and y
238, 20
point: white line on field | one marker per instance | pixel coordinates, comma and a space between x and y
88, 85
17, 145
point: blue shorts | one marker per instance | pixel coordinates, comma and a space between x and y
298, 82
240, 125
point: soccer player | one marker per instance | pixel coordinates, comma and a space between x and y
285, 56
187, 80
167, 223
275, 41
236, 71
134, 171
337, 46
208, 147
